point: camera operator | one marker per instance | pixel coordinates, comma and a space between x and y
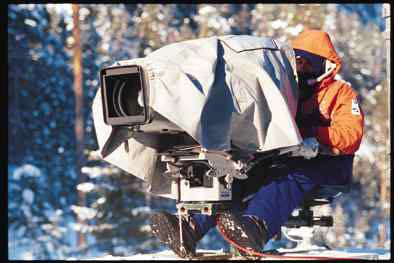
330, 121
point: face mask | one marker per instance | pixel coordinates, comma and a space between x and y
306, 90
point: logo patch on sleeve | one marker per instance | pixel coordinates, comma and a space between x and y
355, 107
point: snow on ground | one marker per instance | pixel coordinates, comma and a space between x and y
352, 253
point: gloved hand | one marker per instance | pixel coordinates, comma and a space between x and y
308, 149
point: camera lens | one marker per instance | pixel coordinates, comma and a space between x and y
124, 98
115, 96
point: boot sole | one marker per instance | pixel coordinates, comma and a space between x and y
164, 227
233, 229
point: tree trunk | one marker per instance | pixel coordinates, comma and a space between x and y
79, 129
386, 172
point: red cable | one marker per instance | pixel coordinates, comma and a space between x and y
255, 253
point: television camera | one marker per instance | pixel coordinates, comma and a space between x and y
196, 115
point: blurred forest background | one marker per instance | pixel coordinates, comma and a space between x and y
64, 202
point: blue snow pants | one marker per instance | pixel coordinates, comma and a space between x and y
275, 199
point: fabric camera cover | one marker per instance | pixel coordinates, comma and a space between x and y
232, 88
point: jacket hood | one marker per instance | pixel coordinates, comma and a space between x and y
319, 43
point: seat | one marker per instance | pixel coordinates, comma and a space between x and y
324, 194
300, 228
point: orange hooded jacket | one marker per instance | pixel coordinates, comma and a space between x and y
337, 119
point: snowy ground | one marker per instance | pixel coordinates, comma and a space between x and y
348, 253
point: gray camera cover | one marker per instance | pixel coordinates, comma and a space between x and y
220, 90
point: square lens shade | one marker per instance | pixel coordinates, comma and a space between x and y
124, 95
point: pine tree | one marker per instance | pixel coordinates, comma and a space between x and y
115, 216
39, 133
79, 119
360, 46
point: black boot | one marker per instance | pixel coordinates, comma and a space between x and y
165, 226
245, 231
